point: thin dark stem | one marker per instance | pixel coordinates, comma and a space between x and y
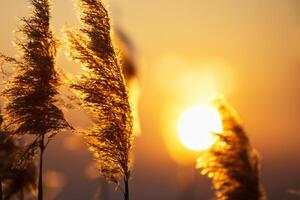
1, 192
40, 183
126, 193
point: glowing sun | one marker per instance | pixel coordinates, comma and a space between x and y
196, 126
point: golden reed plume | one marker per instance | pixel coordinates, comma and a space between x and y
103, 91
31, 94
231, 163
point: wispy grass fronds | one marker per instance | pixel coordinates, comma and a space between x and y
31, 94
103, 91
232, 163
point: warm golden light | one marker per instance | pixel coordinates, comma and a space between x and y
196, 126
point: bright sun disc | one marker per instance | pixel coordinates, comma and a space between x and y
196, 126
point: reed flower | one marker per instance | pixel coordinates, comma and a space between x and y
232, 163
31, 107
103, 91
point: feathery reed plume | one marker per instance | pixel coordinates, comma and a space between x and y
31, 93
103, 91
13, 182
231, 163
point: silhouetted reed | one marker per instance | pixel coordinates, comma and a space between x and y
232, 163
103, 91
31, 107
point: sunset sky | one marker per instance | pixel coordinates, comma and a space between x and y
187, 51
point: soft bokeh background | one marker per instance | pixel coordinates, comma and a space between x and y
186, 51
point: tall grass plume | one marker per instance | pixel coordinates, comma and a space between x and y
232, 163
31, 107
103, 91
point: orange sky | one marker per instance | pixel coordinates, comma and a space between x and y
186, 50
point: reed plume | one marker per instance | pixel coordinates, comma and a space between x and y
103, 91
31, 94
232, 163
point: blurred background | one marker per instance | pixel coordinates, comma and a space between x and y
186, 51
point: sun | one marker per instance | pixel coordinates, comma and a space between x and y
196, 126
